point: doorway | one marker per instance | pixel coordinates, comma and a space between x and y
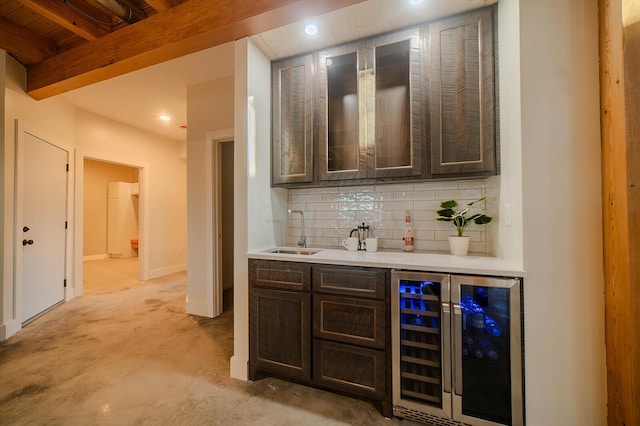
81, 216
226, 220
110, 210
111, 214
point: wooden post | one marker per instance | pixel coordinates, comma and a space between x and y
621, 200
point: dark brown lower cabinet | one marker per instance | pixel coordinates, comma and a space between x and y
280, 341
322, 325
348, 368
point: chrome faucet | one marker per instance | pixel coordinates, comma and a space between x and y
302, 242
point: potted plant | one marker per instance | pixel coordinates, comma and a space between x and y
459, 244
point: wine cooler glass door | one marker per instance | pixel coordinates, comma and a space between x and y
421, 343
487, 365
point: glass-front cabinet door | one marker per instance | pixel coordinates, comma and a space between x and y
292, 141
370, 121
341, 110
394, 105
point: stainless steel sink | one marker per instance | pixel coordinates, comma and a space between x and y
304, 252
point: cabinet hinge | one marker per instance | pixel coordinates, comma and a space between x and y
66, 224
67, 166
65, 283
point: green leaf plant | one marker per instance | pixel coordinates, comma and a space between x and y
448, 213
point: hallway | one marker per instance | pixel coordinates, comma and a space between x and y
126, 353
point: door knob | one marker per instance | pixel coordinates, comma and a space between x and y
25, 229
27, 242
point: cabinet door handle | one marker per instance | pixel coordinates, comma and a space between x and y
457, 349
446, 346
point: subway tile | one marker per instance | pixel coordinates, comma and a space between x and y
414, 195
389, 244
394, 205
423, 215
459, 194
322, 206
432, 245
402, 187
427, 205
323, 190
471, 184
432, 186
298, 191
331, 213
338, 198
306, 198
357, 189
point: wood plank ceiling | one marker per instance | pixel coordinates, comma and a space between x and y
67, 44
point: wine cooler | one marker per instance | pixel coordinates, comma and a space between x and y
457, 349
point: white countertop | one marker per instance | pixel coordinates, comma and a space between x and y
417, 261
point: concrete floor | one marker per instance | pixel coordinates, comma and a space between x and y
126, 353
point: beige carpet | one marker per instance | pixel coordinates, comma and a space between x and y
126, 353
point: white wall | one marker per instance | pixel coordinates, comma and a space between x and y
561, 207
52, 118
209, 109
164, 191
58, 120
260, 210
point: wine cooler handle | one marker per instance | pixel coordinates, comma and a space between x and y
446, 346
457, 352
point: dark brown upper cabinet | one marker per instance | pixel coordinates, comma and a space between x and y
369, 108
411, 105
292, 118
463, 105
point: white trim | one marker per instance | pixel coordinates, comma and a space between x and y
197, 308
167, 270
214, 284
9, 329
143, 212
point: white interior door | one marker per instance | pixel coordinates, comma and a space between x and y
42, 227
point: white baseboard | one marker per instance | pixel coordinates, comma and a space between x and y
239, 368
8, 329
96, 257
161, 272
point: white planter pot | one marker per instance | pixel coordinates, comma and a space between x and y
459, 246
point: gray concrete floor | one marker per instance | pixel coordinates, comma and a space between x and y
125, 353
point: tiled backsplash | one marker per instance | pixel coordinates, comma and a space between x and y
331, 213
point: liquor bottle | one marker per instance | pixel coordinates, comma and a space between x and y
407, 238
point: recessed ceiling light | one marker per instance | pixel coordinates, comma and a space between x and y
311, 29
415, 2
165, 118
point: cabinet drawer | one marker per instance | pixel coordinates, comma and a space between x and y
359, 371
349, 320
280, 341
280, 275
361, 282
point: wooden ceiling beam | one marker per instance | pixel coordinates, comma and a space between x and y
163, 5
70, 18
190, 27
27, 46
